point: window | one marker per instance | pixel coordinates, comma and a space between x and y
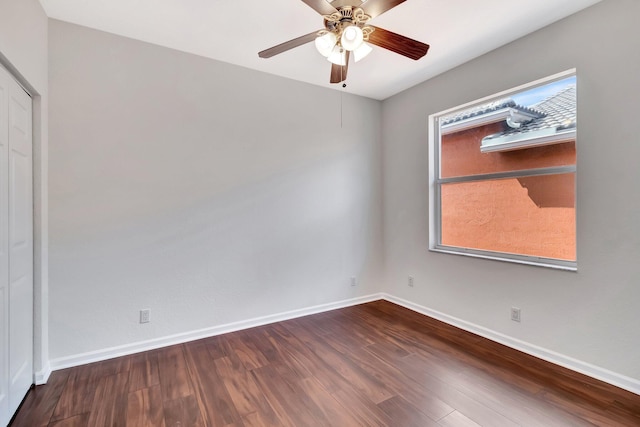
503, 175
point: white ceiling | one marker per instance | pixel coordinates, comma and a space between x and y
235, 31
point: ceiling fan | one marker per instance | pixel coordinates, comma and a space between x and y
347, 30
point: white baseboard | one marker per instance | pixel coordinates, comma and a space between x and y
613, 378
610, 377
127, 349
42, 376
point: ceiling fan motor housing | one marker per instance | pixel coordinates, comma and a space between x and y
345, 17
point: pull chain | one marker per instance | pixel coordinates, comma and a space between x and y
344, 85
341, 108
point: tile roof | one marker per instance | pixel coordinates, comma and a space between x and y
498, 105
559, 112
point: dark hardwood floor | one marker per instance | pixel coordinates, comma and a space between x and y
375, 364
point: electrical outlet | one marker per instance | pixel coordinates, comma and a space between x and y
145, 316
354, 281
515, 314
410, 281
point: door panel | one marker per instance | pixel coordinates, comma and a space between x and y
4, 256
20, 246
19, 214
20, 352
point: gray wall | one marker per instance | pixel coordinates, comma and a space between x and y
591, 315
23, 51
203, 191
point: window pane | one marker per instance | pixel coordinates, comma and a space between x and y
527, 216
461, 155
535, 128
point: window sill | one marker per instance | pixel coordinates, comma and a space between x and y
496, 256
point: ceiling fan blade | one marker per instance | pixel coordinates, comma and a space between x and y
397, 43
375, 8
320, 6
339, 72
283, 47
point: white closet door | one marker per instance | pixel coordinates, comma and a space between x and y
4, 253
20, 246
16, 246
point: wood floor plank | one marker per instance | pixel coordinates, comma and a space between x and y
412, 368
81, 420
626, 410
328, 405
388, 350
522, 407
584, 409
287, 355
112, 366
173, 373
417, 337
245, 393
144, 371
78, 393
215, 345
145, 408
375, 390
182, 412
291, 405
256, 419
375, 364
216, 406
312, 363
449, 393
404, 414
250, 356
39, 404
259, 338
110, 401
385, 371
456, 419
80, 389
338, 326
362, 409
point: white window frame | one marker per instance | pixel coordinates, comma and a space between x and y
435, 183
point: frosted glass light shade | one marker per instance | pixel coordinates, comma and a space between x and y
337, 56
325, 43
362, 51
351, 37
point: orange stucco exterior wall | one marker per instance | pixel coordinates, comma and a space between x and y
531, 216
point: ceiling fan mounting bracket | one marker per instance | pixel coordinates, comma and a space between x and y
344, 17
350, 14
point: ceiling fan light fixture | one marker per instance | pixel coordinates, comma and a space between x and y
325, 43
352, 37
338, 56
362, 51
